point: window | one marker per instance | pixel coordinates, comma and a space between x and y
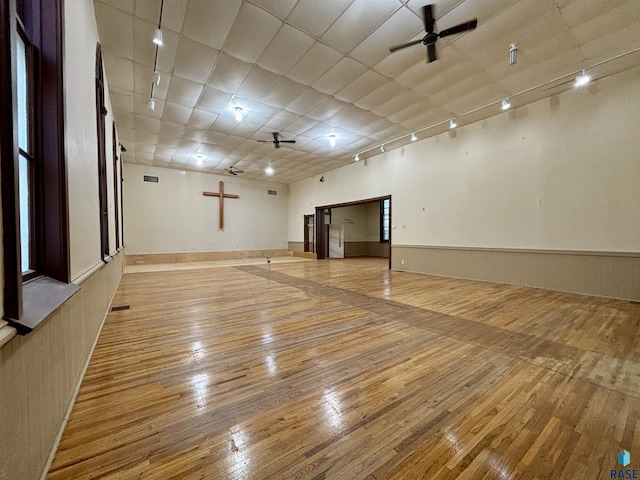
34, 195
385, 214
101, 112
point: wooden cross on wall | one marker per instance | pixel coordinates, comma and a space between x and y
222, 196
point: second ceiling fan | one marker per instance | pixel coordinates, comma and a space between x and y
276, 141
431, 37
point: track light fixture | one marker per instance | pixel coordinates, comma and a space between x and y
582, 79
513, 53
238, 114
152, 104
382, 148
332, 140
156, 78
157, 37
452, 123
199, 159
506, 104
414, 137
357, 157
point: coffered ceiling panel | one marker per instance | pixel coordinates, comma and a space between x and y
309, 69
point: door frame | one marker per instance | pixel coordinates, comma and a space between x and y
307, 241
322, 241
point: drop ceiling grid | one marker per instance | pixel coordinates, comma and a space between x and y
311, 71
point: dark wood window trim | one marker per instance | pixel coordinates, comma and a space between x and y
25, 305
116, 206
101, 113
382, 221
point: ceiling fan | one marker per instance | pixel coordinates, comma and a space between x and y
235, 170
276, 141
431, 37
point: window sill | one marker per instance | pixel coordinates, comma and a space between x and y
40, 298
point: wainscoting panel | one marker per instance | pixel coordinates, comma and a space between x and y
607, 274
157, 258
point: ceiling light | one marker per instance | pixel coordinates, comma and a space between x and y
157, 37
382, 148
582, 79
357, 157
513, 53
199, 159
151, 104
269, 170
238, 114
506, 104
452, 123
332, 140
156, 78
414, 137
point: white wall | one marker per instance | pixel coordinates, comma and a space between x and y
81, 139
561, 173
173, 216
361, 222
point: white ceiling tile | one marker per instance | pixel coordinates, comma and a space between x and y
280, 8
194, 60
287, 47
170, 129
397, 103
316, 17
578, 13
339, 76
308, 100
116, 30
147, 124
258, 84
229, 73
224, 125
283, 93
127, 6
213, 99
247, 42
173, 14
193, 133
202, 119
184, 92
327, 109
504, 25
176, 113
210, 22
356, 23
301, 125
168, 141
118, 71
318, 60
396, 63
380, 95
361, 86
401, 27
281, 120
145, 137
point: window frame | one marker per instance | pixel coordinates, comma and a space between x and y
24, 305
385, 218
101, 114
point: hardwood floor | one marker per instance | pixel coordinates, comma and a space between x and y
341, 369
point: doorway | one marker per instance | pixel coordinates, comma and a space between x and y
309, 233
354, 229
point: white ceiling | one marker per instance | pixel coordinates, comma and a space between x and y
311, 68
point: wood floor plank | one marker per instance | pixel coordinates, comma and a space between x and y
342, 369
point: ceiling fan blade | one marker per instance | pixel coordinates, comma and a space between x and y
431, 53
463, 27
275, 137
404, 45
287, 141
427, 16
265, 141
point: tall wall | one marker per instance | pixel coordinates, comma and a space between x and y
173, 216
40, 372
543, 195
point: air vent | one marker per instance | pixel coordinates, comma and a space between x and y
149, 178
272, 192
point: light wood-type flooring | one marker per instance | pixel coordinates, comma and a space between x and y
342, 369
